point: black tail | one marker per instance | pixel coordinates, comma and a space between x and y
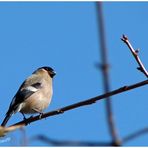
6, 119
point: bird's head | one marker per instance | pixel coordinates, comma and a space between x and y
50, 70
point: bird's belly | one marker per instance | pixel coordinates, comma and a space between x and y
31, 105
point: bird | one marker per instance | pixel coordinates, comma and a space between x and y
34, 95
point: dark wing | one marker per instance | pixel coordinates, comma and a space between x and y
22, 94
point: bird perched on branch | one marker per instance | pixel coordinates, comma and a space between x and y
34, 95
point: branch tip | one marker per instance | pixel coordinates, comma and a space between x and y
124, 38
135, 54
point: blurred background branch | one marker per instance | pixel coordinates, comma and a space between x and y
105, 73
135, 135
53, 142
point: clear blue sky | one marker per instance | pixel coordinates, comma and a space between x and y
64, 35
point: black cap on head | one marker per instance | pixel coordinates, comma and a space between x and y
50, 71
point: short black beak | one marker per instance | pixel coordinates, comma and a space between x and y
52, 74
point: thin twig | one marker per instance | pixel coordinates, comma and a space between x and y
105, 74
135, 135
135, 54
82, 103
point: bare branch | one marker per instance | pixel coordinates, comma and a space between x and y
105, 74
82, 103
135, 54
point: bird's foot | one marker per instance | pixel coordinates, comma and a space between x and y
26, 119
24, 116
40, 115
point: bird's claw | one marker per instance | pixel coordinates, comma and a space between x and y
40, 116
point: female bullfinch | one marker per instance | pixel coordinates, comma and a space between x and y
34, 95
